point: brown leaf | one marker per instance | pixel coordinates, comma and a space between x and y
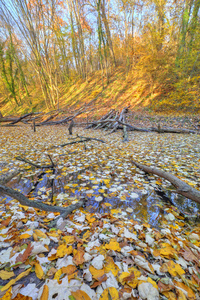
196, 278
78, 258
189, 255
100, 280
164, 287
23, 257
6, 222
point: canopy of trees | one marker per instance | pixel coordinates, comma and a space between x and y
47, 43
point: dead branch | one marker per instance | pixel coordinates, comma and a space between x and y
82, 140
182, 187
37, 204
21, 118
35, 165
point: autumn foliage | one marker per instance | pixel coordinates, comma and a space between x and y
47, 46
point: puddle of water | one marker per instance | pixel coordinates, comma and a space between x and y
149, 207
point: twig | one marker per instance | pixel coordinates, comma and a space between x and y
85, 139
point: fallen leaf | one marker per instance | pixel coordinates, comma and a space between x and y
80, 295
113, 245
45, 293
78, 258
13, 281
110, 293
6, 275
23, 257
39, 271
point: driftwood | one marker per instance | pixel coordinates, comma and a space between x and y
182, 187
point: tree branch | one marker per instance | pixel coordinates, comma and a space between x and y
37, 204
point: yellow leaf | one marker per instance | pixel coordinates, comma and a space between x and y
106, 181
169, 295
80, 295
174, 269
86, 236
70, 269
24, 236
166, 251
115, 211
13, 281
152, 282
58, 274
62, 250
69, 239
40, 233
111, 266
113, 245
6, 275
130, 278
90, 218
45, 293
110, 293
107, 204
39, 271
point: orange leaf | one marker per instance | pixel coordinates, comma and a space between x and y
190, 293
80, 295
45, 293
7, 295
70, 269
96, 273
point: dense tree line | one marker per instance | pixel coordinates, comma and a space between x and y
47, 43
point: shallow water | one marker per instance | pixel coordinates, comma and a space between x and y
150, 207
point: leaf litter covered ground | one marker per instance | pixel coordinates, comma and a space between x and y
126, 243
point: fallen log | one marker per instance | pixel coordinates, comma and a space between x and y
182, 187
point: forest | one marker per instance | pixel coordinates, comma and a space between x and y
142, 52
99, 150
